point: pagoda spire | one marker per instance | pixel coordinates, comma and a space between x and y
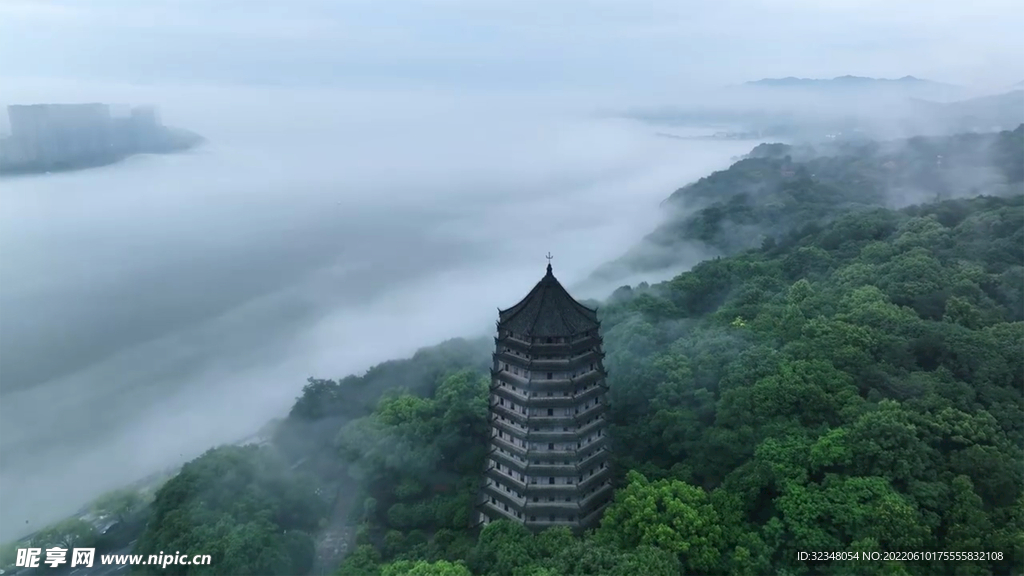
549, 257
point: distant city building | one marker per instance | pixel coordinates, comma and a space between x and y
53, 134
548, 460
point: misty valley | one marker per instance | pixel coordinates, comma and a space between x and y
839, 360
511, 289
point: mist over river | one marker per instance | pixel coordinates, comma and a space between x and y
152, 309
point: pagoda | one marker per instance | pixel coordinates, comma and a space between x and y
548, 460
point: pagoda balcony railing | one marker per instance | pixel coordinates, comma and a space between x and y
597, 479
517, 466
540, 399
579, 430
553, 421
599, 455
557, 402
576, 419
567, 455
504, 336
543, 488
542, 437
558, 506
580, 357
533, 362
508, 445
538, 383
519, 394
493, 490
540, 524
496, 509
588, 500
559, 470
517, 431
503, 478
593, 411
509, 413
597, 443
529, 469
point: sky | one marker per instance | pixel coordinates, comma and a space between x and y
656, 49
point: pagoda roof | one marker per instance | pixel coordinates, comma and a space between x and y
548, 310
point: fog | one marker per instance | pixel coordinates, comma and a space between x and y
376, 179
155, 308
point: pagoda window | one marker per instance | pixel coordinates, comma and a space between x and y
551, 480
551, 411
550, 375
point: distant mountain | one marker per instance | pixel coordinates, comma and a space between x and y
882, 91
844, 81
985, 113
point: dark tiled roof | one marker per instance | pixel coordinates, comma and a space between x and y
548, 310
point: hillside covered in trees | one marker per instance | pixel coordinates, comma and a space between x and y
849, 378
852, 388
778, 188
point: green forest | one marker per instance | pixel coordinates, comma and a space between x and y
843, 377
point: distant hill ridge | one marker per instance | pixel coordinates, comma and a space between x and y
846, 80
